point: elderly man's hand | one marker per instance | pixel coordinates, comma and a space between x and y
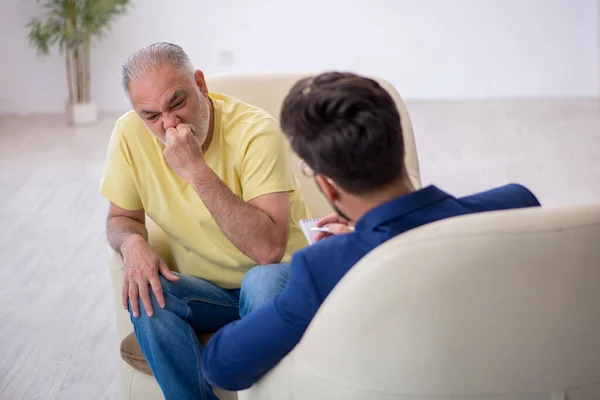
183, 151
141, 266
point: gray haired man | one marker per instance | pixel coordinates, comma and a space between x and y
213, 172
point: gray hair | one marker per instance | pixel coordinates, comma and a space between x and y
150, 57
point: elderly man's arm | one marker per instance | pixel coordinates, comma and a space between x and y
258, 228
124, 226
259, 225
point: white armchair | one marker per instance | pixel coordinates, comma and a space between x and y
266, 91
494, 306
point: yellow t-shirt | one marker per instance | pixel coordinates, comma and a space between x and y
249, 154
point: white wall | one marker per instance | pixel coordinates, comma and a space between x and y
430, 49
26, 84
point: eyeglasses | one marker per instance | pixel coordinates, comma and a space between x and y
306, 170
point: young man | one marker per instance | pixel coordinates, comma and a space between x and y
347, 130
214, 173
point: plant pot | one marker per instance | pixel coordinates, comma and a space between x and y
82, 113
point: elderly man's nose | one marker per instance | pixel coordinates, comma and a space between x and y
170, 121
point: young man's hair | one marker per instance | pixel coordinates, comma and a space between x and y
347, 128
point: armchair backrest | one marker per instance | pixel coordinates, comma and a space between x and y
268, 90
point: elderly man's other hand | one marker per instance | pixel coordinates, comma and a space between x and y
141, 266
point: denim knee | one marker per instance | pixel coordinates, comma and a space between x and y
174, 308
262, 284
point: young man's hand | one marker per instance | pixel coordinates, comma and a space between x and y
337, 226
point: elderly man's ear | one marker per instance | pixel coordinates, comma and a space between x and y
199, 77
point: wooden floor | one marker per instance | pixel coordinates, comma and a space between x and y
57, 334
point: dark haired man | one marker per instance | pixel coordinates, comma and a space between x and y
347, 130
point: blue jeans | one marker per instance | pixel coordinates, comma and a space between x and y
169, 338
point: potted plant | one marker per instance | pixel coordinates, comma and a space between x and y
72, 24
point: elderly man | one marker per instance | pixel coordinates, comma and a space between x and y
213, 172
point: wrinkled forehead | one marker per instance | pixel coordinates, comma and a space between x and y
156, 87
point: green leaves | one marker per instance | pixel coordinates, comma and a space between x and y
71, 23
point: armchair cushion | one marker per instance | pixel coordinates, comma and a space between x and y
132, 354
